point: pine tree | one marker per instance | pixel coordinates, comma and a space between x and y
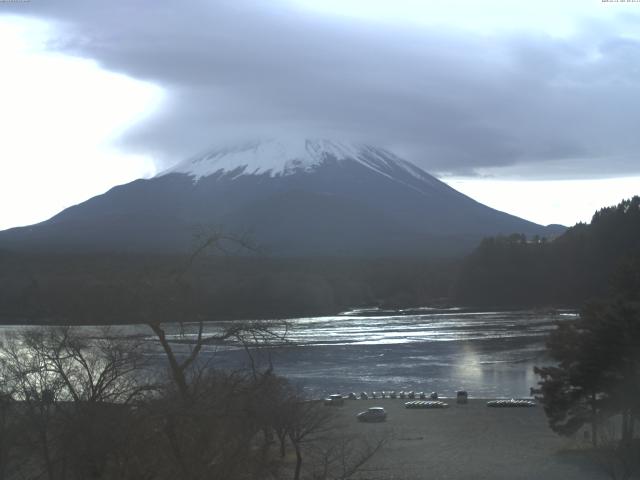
598, 370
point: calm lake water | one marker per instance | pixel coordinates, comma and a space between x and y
489, 354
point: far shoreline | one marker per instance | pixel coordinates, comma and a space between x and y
408, 311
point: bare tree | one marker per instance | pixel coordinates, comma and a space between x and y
36, 387
309, 422
340, 457
247, 334
72, 389
205, 242
90, 369
9, 427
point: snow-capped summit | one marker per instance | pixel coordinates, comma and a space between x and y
271, 157
281, 158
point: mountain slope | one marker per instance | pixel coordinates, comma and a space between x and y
310, 197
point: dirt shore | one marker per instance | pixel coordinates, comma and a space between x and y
469, 441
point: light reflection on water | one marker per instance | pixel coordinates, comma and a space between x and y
490, 354
459, 326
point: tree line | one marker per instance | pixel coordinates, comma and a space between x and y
516, 271
595, 380
120, 289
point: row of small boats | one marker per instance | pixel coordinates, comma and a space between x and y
419, 399
393, 394
426, 404
424, 400
511, 403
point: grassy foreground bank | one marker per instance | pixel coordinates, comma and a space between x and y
469, 441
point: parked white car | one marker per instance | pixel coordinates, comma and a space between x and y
334, 400
373, 414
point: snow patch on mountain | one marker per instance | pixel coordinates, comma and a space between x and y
279, 158
272, 157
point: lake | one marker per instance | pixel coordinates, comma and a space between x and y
489, 354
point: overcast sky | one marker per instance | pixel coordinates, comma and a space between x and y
530, 107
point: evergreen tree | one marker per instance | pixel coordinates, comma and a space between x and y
598, 370
567, 271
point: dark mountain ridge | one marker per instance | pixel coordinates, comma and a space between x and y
308, 198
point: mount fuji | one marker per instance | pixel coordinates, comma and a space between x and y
294, 198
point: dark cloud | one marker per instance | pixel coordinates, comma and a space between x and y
452, 102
